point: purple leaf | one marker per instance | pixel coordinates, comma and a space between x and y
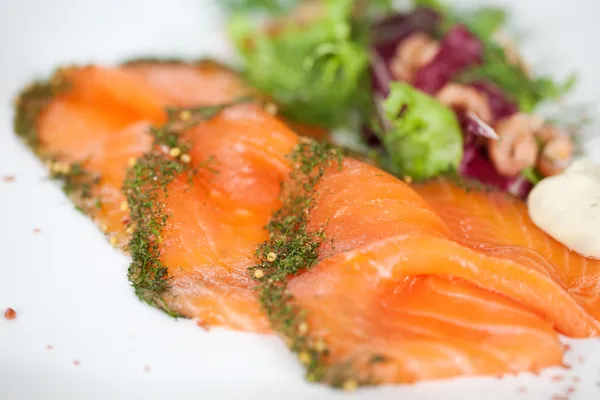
459, 50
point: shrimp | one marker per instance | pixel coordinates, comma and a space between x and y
557, 151
466, 98
414, 52
517, 148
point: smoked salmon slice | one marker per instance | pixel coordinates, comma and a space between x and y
367, 279
405, 302
384, 303
216, 220
493, 221
91, 123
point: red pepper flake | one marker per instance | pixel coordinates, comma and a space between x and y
570, 390
567, 366
203, 325
37, 230
146, 368
76, 363
558, 378
10, 314
567, 347
49, 347
8, 178
576, 379
580, 360
522, 389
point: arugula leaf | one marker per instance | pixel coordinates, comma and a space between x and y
425, 138
317, 73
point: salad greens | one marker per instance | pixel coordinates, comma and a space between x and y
426, 138
331, 67
486, 22
317, 72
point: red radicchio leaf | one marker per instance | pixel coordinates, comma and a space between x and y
500, 105
477, 165
459, 50
387, 34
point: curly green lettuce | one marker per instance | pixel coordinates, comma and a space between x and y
317, 73
424, 138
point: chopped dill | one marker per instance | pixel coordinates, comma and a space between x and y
154, 60
77, 183
145, 182
290, 249
145, 188
33, 100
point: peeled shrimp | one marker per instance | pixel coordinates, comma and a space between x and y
516, 148
466, 98
414, 52
556, 153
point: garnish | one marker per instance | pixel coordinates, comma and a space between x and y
315, 72
424, 137
532, 175
155, 60
498, 65
10, 314
292, 249
77, 183
146, 186
33, 100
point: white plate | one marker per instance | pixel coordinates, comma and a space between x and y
69, 286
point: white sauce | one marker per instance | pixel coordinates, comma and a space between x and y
567, 207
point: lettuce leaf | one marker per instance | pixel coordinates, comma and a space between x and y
424, 138
317, 73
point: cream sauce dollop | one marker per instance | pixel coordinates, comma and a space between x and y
567, 207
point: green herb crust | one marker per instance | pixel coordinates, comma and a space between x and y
140, 61
30, 103
145, 188
291, 249
76, 182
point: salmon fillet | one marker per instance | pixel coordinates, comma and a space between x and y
407, 285
395, 287
378, 291
493, 222
99, 121
216, 223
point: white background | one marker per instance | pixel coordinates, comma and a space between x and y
69, 286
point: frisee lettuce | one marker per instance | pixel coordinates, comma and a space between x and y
425, 138
317, 72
